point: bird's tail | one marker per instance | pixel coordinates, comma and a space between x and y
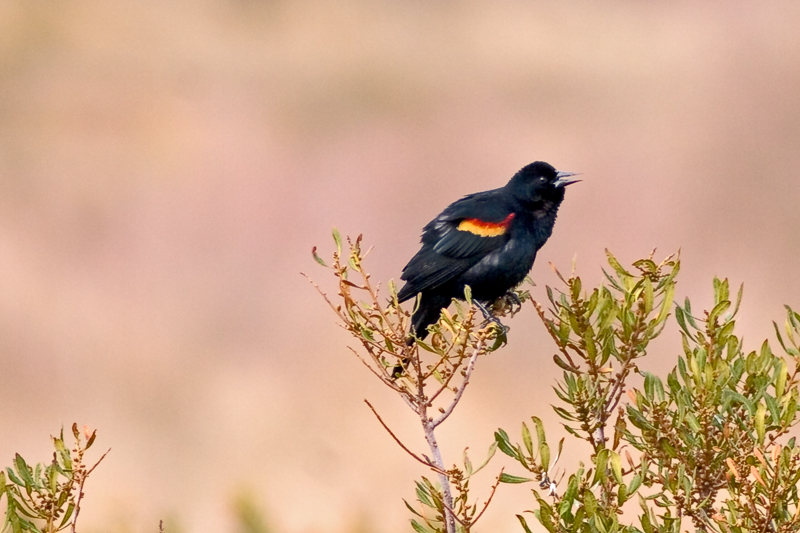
428, 312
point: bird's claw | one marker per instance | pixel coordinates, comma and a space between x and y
489, 317
512, 297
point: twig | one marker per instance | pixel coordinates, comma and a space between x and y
382, 376
397, 440
457, 397
616, 391
491, 495
561, 349
467, 326
80, 490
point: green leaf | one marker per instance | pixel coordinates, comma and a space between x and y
563, 364
774, 410
338, 240
467, 464
718, 310
67, 514
608, 316
59, 445
646, 265
524, 524
635, 483
411, 508
422, 494
622, 494
544, 455
576, 288
503, 442
680, 317
789, 412
526, 439
729, 396
638, 420
778, 334
647, 294
687, 305
560, 448
91, 440
720, 289
666, 304
613, 281
612, 261
653, 387
419, 528
759, 422
545, 516
317, 258
616, 466
601, 465
563, 413
780, 379
489, 455
14, 478
567, 500
539, 426
508, 478
666, 446
23, 471
589, 502
692, 422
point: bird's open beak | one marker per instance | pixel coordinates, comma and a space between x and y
564, 179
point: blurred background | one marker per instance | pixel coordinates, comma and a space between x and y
166, 167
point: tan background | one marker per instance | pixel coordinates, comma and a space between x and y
165, 168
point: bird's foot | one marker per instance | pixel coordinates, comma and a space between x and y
509, 304
512, 298
489, 317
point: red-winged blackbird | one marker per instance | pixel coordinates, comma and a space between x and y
487, 240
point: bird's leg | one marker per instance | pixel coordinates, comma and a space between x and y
512, 300
512, 296
489, 316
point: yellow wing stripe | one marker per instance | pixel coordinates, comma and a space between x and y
485, 229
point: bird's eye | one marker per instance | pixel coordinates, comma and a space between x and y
542, 180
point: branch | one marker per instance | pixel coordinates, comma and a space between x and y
616, 391
469, 523
409, 452
491, 495
382, 376
453, 366
561, 349
80, 490
468, 373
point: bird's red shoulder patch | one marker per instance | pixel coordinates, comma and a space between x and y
486, 229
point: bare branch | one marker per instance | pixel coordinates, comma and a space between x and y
454, 402
491, 495
80, 490
397, 440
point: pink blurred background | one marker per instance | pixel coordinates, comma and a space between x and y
166, 167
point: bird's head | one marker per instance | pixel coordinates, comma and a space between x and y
540, 182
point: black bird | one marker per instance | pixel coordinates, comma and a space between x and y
487, 240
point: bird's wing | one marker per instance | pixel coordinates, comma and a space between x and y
428, 270
472, 226
455, 240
